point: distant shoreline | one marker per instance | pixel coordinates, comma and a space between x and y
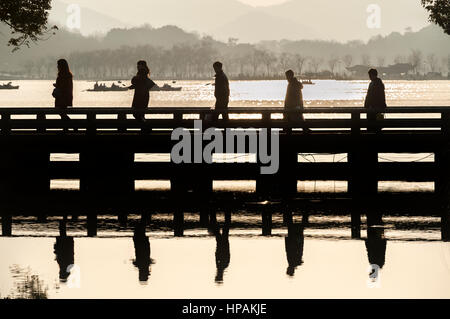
411, 78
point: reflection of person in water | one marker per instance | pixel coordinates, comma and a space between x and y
64, 251
376, 247
294, 243
222, 252
142, 251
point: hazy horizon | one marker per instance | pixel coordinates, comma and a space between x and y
252, 20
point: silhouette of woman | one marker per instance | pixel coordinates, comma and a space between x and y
141, 84
63, 92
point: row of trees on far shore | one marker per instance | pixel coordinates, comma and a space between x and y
241, 61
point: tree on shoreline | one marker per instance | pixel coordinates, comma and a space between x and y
439, 12
27, 20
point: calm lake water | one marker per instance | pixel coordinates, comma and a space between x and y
243, 93
320, 261
415, 263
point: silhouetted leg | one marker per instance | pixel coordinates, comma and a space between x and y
65, 118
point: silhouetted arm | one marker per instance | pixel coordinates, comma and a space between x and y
151, 84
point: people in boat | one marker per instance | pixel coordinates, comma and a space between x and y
375, 100
294, 99
141, 84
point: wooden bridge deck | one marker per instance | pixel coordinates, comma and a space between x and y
107, 140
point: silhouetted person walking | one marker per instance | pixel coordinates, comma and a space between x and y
222, 252
294, 243
142, 84
376, 246
375, 100
64, 251
294, 99
142, 251
63, 92
222, 90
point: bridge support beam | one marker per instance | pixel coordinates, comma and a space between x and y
266, 223
363, 181
27, 173
92, 225
106, 172
178, 224
284, 182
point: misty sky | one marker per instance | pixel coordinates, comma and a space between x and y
251, 20
262, 2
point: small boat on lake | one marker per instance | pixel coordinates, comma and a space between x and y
8, 86
308, 82
104, 88
166, 87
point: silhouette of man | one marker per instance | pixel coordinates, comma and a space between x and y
375, 100
294, 99
222, 90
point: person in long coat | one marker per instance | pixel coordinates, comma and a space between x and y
294, 98
222, 90
375, 100
63, 92
142, 84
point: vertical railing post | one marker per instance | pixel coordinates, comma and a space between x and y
122, 118
91, 127
41, 122
6, 123
355, 122
442, 160
6, 225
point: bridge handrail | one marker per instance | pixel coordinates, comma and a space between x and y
206, 110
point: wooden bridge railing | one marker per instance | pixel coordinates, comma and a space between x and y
121, 119
107, 140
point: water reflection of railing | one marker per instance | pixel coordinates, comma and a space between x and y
224, 226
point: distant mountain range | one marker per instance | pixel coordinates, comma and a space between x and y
339, 20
